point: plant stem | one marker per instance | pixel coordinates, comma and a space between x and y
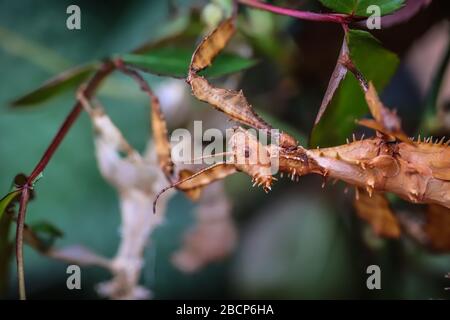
25, 195
91, 87
299, 14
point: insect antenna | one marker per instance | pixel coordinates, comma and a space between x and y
215, 172
220, 154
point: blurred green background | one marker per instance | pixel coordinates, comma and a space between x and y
300, 241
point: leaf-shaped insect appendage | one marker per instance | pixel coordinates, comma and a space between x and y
161, 139
235, 105
386, 121
212, 45
376, 211
231, 102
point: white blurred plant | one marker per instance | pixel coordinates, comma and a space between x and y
137, 179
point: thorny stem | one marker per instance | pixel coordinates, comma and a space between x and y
304, 15
91, 87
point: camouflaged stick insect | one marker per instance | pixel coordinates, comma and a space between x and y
418, 172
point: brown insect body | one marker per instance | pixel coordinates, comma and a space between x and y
417, 173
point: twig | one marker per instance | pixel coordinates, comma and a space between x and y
304, 15
25, 195
91, 87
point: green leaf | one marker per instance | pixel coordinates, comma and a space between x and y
359, 7
378, 65
174, 62
62, 82
6, 252
6, 200
6, 246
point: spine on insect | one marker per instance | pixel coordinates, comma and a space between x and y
419, 172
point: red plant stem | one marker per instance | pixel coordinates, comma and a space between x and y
91, 86
304, 15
